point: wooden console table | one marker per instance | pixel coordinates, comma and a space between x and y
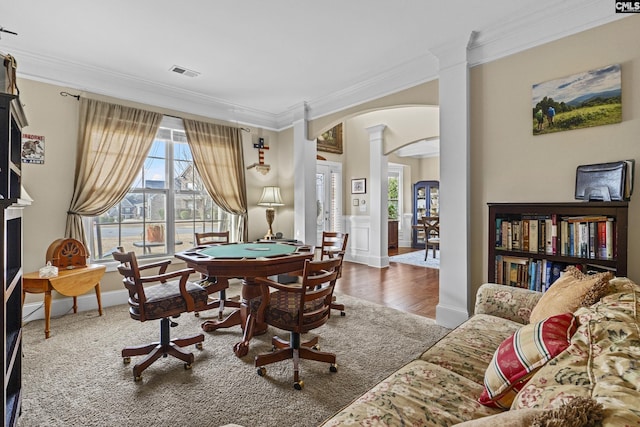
72, 282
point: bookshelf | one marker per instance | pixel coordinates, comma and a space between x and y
12, 120
530, 243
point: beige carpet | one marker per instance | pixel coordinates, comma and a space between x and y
77, 378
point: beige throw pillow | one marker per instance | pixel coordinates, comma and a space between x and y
571, 291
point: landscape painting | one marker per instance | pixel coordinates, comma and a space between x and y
592, 98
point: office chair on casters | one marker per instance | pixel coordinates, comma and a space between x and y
334, 242
214, 284
167, 298
298, 309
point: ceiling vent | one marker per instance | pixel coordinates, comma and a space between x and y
184, 71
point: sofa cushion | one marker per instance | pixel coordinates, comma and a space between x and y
572, 290
418, 394
580, 412
521, 354
468, 349
601, 361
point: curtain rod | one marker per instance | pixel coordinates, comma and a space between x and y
77, 97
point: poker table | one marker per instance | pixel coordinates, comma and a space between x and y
246, 261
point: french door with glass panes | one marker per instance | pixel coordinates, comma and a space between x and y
328, 197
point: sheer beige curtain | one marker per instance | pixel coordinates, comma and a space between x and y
218, 156
113, 143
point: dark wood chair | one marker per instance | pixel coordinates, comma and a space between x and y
166, 298
431, 225
334, 242
214, 284
298, 309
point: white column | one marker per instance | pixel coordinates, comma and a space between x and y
453, 305
377, 188
304, 187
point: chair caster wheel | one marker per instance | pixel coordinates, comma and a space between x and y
187, 366
261, 371
316, 347
333, 367
196, 314
199, 345
137, 378
298, 385
126, 360
342, 314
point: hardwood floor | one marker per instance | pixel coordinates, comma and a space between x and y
401, 286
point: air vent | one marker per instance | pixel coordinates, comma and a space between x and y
184, 71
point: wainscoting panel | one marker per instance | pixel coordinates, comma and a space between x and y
359, 229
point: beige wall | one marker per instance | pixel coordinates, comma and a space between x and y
509, 164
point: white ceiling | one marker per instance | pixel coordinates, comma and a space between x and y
258, 60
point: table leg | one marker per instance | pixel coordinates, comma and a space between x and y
75, 305
47, 313
97, 290
250, 290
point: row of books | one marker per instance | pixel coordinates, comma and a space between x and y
536, 275
579, 236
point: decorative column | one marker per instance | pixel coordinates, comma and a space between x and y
378, 188
304, 187
453, 305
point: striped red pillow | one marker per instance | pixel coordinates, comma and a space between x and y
521, 355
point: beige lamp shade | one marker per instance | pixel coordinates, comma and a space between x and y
270, 198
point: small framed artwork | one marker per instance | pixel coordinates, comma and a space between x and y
356, 202
359, 186
33, 149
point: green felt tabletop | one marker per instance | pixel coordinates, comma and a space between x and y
248, 250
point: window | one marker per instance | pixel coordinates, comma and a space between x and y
394, 202
165, 206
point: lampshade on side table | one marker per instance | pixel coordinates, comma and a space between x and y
270, 198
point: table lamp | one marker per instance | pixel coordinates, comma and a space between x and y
270, 198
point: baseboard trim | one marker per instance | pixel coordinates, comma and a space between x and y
450, 317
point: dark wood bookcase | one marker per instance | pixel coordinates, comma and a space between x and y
12, 120
615, 212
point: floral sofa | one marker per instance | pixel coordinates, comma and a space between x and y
600, 365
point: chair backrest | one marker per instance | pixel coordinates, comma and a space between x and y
332, 243
431, 226
212, 237
130, 272
316, 292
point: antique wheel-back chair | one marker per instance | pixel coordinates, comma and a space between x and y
431, 226
333, 243
299, 309
167, 298
215, 284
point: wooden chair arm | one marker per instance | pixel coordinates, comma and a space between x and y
161, 264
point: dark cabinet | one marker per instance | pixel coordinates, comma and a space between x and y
393, 234
12, 120
426, 202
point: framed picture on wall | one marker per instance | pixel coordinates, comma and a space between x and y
331, 140
359, 186
590, 98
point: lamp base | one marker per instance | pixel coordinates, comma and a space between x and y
271, 214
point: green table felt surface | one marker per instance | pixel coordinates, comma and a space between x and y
248, 250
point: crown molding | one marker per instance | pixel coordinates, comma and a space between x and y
566, 18
484, 45
96, 80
